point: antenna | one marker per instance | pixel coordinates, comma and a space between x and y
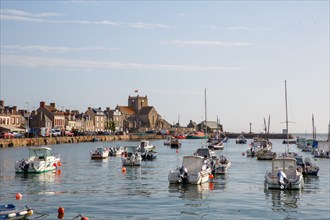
286, 119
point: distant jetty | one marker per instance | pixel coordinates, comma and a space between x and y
252, 135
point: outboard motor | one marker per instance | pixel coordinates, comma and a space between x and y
24, 166
282, 179
184, 176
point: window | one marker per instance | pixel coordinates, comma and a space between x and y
17, 120
12, 121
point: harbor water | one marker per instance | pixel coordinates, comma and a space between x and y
100, 190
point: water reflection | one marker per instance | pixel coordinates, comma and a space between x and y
40, 183
284, 200
191, 192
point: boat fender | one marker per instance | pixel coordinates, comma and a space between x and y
23, 213
11, 215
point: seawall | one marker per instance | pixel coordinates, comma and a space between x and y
20, 142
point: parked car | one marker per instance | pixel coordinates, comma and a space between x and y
6, 135
17, 135
56, 132
68, 133
151, 132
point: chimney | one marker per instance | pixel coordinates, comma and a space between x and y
42, 104
99, 108
52, 104
15, 108
2, 103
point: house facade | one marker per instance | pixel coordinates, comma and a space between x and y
98, 118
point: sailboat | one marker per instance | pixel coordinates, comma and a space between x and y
284, 174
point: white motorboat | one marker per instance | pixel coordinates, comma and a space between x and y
148, 151
99, 153
284, 175
194, 170
40, 160
222, 165
116, 151
240, 139
131, 156
216, 145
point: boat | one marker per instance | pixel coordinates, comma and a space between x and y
240, 139
194, 170
10, 211
285, 174
222, 165
147, 151
307, 167
175, 143
167, 141
180, 136
99, 153
131, 156
216, 145
40, 160
265, 154
197, 135
116, 151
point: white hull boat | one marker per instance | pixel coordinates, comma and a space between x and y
41, 159
194, 170
99, 153
222, 165
266, 154
131, 156
284, 175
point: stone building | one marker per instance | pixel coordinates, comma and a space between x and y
47, 116
10, 118
98, 118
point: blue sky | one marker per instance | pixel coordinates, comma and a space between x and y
89, 53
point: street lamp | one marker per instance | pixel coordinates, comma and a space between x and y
28, 118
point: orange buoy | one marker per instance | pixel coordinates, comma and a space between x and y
60, 210
59, 163
60, 216
84, 218
18, 196
123, 169
211, 176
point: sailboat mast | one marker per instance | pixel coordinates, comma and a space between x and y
286, 121
205, 112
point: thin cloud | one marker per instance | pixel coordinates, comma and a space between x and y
207, 43
146, 25
35, 61
49, 49
15, 15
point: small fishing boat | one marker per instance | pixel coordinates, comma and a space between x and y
307, 167
40, 160
218, 145
240, 139
284, 175
180, 136
167, 141
131, 156
116, 151
197, 135
194, 170
265, 154
175, 143
99, 153
147, 151
10, 211
222, 165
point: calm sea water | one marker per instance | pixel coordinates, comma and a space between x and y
99, 189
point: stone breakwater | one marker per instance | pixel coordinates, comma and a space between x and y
20, 142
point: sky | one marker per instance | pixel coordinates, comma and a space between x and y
82, 54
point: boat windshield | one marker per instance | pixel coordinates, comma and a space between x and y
40, 152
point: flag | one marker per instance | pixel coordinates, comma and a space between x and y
136, 91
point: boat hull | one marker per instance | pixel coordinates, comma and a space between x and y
194, 178
271, 182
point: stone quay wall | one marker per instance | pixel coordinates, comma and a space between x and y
21, 142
